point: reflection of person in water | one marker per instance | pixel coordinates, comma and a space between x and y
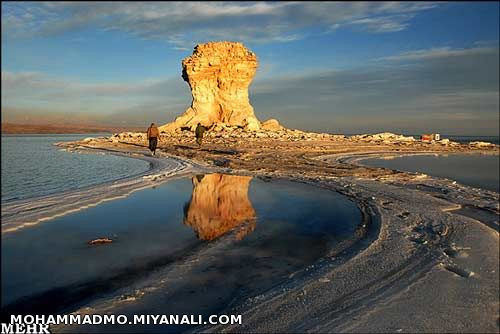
218, 204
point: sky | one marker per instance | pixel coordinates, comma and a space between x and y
337, 67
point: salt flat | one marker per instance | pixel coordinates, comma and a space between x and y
422, 264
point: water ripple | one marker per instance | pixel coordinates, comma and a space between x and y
32, 166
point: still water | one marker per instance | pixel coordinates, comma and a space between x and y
198, 243
468, 139
32, 166
477, 170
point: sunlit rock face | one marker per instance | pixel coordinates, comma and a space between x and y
272, 125
218, 204
219, 74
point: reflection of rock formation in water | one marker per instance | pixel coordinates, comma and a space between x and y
218, 204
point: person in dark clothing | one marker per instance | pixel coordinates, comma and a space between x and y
200, 129
153, 133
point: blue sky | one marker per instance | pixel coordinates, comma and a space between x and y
343, 67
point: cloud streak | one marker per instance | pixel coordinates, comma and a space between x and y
442, 52
23, 83
445, 91
185, 23
36, 94
456, 91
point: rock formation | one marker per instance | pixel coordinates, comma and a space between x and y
218, 204
480, 144
383, 137
218, 74
272, 125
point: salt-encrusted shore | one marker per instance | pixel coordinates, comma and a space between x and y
427, 259
28, 212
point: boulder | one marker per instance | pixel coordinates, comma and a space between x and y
480, 144
272, 125
385, 137
251, 124
445, 141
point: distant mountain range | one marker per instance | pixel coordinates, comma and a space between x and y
15, 128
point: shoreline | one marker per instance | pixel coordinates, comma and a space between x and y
22, 213
421, 257
36, 209
358, 160
9, 128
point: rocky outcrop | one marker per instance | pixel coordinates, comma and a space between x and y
272, 125
219, 74
480, 144
384, 137
218, 204
392, 138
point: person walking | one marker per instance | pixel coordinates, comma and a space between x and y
200, 129
153, 133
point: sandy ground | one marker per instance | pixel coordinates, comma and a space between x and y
426, 261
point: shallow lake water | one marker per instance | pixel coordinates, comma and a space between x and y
199, 243
477, 170
32, 166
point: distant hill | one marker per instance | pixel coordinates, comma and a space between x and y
13, 128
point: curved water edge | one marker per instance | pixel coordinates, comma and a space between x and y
28, 212
230, 193
365, 233
353, 158
420, 242
33, 166
409, 243
474, 202
430, 170
478, 171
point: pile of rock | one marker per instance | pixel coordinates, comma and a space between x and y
384, 138
480, 144
282, 134
221, 133
128, 137
272, 125
447, 142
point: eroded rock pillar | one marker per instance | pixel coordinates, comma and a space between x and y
219, 74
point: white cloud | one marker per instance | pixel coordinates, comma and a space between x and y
182, 23
383, 23
11, 80
441, 52
21, 82
37, 90
456, 91
447, 90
